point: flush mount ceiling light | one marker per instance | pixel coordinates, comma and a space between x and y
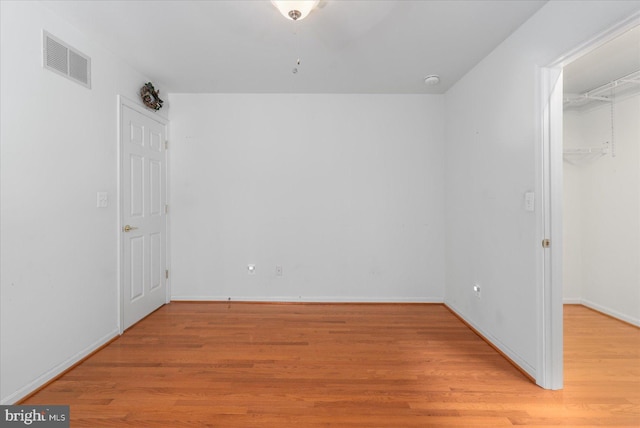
432, 80
295, 10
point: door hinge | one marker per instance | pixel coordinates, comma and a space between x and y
166, 208
166, 273
546, 243
166, 144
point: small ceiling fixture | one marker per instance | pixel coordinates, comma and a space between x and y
432, 80
295, 10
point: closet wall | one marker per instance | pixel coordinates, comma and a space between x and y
602, 207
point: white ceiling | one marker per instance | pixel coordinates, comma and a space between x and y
345, 46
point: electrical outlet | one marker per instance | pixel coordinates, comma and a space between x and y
476, 289
278, 270
251, 269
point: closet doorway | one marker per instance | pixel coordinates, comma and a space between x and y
601, 179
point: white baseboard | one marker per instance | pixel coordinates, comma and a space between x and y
611, 312
513, 356
302, 299
57, 370
571, 301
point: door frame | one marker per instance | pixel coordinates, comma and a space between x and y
549, 164
126, 102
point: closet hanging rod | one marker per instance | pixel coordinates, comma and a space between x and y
585, 151
604, 92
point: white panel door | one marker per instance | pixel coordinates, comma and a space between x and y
143, 172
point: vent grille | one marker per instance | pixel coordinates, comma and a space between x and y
56, 56
62, 59
78, 67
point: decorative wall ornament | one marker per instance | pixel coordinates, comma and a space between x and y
150, 96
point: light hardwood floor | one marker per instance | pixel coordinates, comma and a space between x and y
286, 365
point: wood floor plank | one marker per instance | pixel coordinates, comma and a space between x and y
270, 365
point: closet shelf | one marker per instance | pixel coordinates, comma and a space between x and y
580, 155
623, 86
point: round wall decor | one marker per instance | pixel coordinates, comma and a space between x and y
150, 96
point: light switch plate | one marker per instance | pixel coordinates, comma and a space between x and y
530, 201
103, 200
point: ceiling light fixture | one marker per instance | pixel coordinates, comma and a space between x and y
295, 10
432, 80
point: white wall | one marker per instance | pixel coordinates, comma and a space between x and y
345, 192
58, 251
492, 134
602, 198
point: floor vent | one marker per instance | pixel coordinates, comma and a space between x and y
61, 58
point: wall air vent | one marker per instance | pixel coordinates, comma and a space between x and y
61, 58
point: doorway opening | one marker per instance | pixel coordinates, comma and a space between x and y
551, 217
601, 179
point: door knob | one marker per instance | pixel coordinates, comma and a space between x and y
128, 228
